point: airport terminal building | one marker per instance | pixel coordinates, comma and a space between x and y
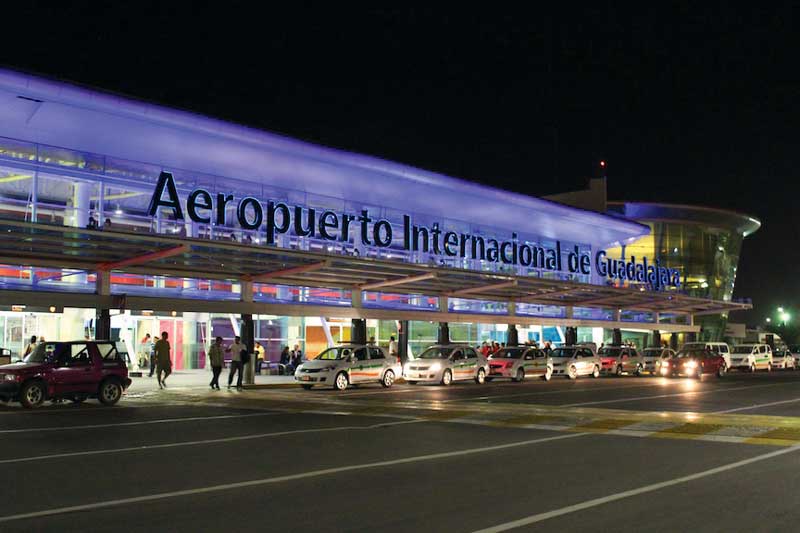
120, 218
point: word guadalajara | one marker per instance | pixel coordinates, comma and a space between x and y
278, 218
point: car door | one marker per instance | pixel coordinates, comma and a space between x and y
75, 371
583, 362
359, 369
471, 362
625, 360
459, 364
535, 362
377, 363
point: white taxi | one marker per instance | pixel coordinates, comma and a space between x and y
783, 359
352, 363
652, 358
445, 364
574, 361
751, 357
520, 362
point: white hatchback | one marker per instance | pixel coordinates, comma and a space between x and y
783, 359
751, 357
445, 364
352, 363
519, 362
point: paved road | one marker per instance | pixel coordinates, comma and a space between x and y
620, 454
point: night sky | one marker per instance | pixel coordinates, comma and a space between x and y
690, 106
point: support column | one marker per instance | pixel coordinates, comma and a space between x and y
444, 333
248, 333
570, 335
246, 291
402, 340
673, 341
356, 296
102, 322
512, 336
656, 339
358, 331
616, 337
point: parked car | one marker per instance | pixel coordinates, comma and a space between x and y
620, 360
721, 348
5, 356
574, 361
447, 363
784, 359
694, 363
66, 370
751, 357
520, 362
652, 358
341, 366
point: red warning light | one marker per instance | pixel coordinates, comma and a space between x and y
602, 163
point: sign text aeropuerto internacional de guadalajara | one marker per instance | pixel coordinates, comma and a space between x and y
279, 218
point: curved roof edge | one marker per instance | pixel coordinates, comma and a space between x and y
78, 96
741, 222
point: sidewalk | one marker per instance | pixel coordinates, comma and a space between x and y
199, 379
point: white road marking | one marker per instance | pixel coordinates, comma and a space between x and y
756, 406
671, 395
279, 479
630, 493
149, 447
559, 391
142, 423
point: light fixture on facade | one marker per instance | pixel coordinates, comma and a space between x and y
174, 313
118, 211
52, 308
17, 308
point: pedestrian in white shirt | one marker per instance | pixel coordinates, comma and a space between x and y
392, 346
235, 350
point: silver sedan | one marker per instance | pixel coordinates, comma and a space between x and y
445, 364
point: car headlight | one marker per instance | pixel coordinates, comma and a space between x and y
691, 364
435, 367
10, 377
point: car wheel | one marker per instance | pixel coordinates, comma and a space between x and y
388, 379
769, 367
721, 371
638, 371
619, 370
340, 382
32, 394
596, 373
753, 368
572, 373
480, 377
548, 373
447, 377
307, 387
110, 392
520, 375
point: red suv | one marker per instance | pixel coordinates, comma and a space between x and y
66, 370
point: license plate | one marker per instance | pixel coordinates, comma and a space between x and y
305, 378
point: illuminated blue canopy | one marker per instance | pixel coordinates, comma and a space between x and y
65, 115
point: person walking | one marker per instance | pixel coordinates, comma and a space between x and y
236, 350
216, 358
163, 361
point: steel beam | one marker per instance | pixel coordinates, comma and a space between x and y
396, 281
139, 259
258, 278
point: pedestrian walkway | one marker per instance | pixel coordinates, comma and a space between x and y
199, 379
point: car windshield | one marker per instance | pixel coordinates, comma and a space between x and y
742, 349
609, 352
652, 352
563, 352
509, 353
338, 352
689, 354
39, 353
436, 352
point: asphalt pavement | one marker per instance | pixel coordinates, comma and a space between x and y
619, 454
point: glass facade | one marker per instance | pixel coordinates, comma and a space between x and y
703, 244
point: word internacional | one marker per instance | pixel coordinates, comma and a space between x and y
279, 218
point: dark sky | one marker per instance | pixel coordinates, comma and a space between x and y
688, 105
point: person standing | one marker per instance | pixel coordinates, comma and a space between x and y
216, 359
261, 355
30, 347
163, 361
392, 347
286, 360
236, 350
297, 356
152, 350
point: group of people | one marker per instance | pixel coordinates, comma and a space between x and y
239, 357
488, 348
291, 359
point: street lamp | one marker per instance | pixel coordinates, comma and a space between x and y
780, 309
769, 320
785, 318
